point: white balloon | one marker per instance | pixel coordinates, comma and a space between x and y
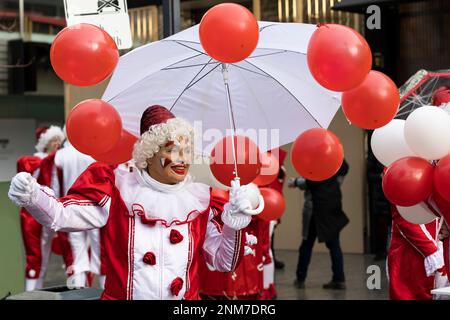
388, 143
418, 214
427, 132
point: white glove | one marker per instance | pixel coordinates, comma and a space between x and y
23, 189
233, 213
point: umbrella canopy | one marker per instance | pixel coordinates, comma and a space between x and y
270, 90
418, 90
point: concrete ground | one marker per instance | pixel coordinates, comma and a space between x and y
319, 272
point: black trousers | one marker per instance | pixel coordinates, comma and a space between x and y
305, 251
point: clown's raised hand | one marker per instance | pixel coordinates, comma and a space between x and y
245, 201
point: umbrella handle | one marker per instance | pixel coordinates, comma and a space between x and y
258, 210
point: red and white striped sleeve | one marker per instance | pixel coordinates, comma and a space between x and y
223, 247
86, 206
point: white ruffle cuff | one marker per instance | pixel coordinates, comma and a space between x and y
434, 262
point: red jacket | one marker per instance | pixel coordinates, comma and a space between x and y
413, 248
247, 278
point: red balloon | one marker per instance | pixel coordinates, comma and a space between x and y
94, 127
229, 32
442, 204
339, 58
121, 152
408, 181
220, 193
317, 154
274, 204
83, 55
247, 158
442, 178
372, 104
269, 169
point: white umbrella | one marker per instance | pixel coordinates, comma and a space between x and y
271, 89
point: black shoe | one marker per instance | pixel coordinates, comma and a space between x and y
335, 285
279, 264
299, 284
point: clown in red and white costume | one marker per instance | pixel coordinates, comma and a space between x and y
415, 259
37, 239
85, 245
158, 223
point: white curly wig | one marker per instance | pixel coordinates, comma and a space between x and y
157, 136
47, 136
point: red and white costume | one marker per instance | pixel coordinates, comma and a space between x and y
268, 228
38, 239
156, 234
85, 245
415, 256
246, 282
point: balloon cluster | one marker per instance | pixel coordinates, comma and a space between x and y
416, 152
340, 59
85, 55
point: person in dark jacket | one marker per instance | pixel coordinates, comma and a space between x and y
323, 218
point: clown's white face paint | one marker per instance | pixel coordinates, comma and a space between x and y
171, 163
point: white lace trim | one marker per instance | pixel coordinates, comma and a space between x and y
434, 262
170, 204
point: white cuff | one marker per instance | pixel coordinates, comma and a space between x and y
434, 262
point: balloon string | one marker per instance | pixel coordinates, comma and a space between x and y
230, 116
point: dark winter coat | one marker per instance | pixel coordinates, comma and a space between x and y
326, 205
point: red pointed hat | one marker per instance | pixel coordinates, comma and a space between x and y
155, 114
40, 131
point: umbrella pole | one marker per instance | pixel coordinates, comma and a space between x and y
230, 116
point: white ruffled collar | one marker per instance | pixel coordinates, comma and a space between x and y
148, 181
168, 204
